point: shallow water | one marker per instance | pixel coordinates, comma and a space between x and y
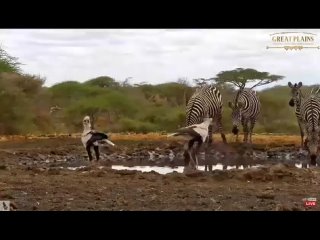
166, 170
179, 169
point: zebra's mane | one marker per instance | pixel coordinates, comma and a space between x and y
238, 94
301, 93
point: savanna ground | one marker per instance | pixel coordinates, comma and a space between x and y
33, 176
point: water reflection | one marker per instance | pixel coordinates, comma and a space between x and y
166, 170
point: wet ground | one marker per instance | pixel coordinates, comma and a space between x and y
54, 174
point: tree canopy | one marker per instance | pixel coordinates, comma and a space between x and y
240, 77
9, 63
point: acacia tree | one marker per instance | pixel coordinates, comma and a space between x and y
9, 63
201, 81
240, 77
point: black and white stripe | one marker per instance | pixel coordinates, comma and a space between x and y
310, 115
245, 110
91, 138
296, 98
205, 102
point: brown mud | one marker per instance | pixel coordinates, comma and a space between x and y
38, 174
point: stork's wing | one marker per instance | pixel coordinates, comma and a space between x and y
97, 136
101, 137
186, 131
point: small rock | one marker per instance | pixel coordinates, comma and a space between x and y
3, 167
5, 196
53, 171
266, 195
88, 168
98, 173
278, 168
194, 174
213, 200
13, 206
281, 207
42, 157
126, 172
38, 170
295, 208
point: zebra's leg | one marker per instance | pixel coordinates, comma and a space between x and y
245, 130
220, 129
208, 142
208, 163
237, 137
301, 134
193, 157
197, 153
252, 123
187, 155
186, 158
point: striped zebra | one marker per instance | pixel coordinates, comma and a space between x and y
296, 97
310, 115
205, 102
245, 109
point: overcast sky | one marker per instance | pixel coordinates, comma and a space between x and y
155, 55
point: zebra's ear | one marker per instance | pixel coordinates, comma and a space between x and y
300, 84
290, 84
230, 105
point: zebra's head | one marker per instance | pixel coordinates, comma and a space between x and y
236, 115
295, 93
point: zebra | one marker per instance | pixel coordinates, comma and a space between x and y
246, 108
206, 102
310, 115
296, 97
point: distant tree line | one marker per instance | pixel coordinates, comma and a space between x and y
28, 107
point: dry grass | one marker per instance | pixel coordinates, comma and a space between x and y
264, 139
270, 139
